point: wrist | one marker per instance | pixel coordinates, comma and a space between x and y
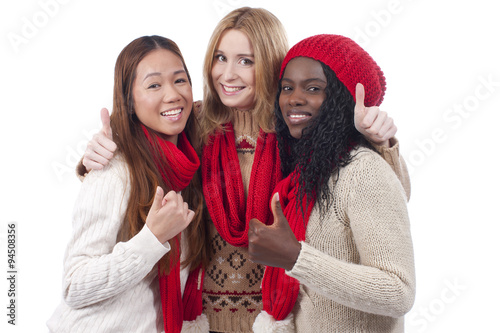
293, 255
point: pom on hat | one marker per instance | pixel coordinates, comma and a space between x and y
347, 59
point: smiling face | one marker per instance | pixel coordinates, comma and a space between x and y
233, 70
162, 94
302, 93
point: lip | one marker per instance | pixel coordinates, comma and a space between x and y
298, 116
172, 114
231, 90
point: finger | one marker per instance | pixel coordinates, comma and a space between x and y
171, 196
376, 127
185, 210
360, 99
180, 201
157, 199
276, 208
370, 114
387, 130
106, 123
107, 143
391, 133
91, 165
190, 216
164, 201
253, 230
94, 159
98, 153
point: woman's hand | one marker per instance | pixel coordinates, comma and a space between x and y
101, 148
273, 245
168, 216
374, 124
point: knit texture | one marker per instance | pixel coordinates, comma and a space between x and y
356, 266
229, 208
108, 286
177, 165
232, 296
348, 60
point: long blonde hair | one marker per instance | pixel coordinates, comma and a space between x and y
270, 44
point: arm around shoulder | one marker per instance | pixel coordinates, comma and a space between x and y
397, 163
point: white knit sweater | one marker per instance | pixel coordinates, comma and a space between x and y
108, 286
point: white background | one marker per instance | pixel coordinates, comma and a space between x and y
441, 61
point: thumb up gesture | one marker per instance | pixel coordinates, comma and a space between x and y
101, 148
374, 124
274, 245
168, 216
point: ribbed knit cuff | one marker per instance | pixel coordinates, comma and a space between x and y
148, 246
391, 153
304, 264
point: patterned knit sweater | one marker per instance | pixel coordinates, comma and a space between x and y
231, 291
232, 296
356, 266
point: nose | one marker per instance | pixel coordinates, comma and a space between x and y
296, 98
171, 94
229, 72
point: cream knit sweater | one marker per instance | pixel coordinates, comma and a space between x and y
356, 266
108, 286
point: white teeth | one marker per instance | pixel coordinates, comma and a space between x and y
171, 113
297, 116
232, 89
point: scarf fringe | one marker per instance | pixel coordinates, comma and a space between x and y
199, 325
265, 323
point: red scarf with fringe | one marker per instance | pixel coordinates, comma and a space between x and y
224, 195
280, 291
182, 162
223, 184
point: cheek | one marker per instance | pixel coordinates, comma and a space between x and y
215, 73
282, 103
138, 101
251, 79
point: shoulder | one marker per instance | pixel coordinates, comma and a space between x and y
368, 167
363, 157
113, 174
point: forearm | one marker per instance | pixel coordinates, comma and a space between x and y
364, 288
390, 153
90, 279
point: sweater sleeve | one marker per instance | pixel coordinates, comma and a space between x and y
397, 163
383, 282
96, 267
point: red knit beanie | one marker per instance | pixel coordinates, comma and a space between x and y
347, 59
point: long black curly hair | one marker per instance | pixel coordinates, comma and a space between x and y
324, 145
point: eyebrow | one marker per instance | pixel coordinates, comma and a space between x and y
159, 74
239, 55
307, 80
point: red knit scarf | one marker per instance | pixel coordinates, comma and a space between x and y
223, 184
183, 162
280, 291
